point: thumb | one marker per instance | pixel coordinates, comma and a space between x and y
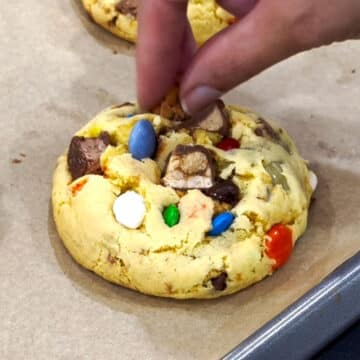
251, 45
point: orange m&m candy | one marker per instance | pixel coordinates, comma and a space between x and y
279, 244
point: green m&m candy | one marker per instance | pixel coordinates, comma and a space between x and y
171, 215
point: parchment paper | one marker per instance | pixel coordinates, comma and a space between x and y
57, 70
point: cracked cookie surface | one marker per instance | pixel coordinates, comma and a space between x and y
120, 17
262, 181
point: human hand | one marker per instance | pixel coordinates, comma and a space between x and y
267, 31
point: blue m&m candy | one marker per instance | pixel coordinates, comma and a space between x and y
142, 140
221, 223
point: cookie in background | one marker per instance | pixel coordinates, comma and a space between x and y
120, 17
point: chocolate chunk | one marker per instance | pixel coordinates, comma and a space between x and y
84, 154
127, 7
265, 129
224, 191
219, 282
214, 119
190, 167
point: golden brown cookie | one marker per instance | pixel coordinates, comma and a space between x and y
120, 17
181, 207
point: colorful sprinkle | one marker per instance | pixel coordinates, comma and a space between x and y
171, 215
142, 140
227, 144
129, 209
221, 223
78, 186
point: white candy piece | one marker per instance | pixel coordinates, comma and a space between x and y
313, 180
129, 209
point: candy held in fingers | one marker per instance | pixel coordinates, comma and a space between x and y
213, 119
190, 167
142, 141
221, 223
279, 244
170, 107
129, 209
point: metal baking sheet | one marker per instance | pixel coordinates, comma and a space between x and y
311, 322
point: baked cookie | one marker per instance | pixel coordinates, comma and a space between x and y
120, 17
181, 207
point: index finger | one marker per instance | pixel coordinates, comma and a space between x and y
163, 37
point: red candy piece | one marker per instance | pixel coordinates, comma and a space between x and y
279, 244
227, 144
78, 186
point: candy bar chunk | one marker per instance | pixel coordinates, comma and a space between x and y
84, 154
127, 7
213, 119
170, 108
190, 167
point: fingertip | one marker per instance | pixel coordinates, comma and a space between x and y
234, 56
162, 43
198, 98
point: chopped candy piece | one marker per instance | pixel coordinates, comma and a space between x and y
84, 154
170, 108
129, 209
190, 167
142, 140
214, 119
221, 223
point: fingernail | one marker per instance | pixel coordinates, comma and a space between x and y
199, 98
